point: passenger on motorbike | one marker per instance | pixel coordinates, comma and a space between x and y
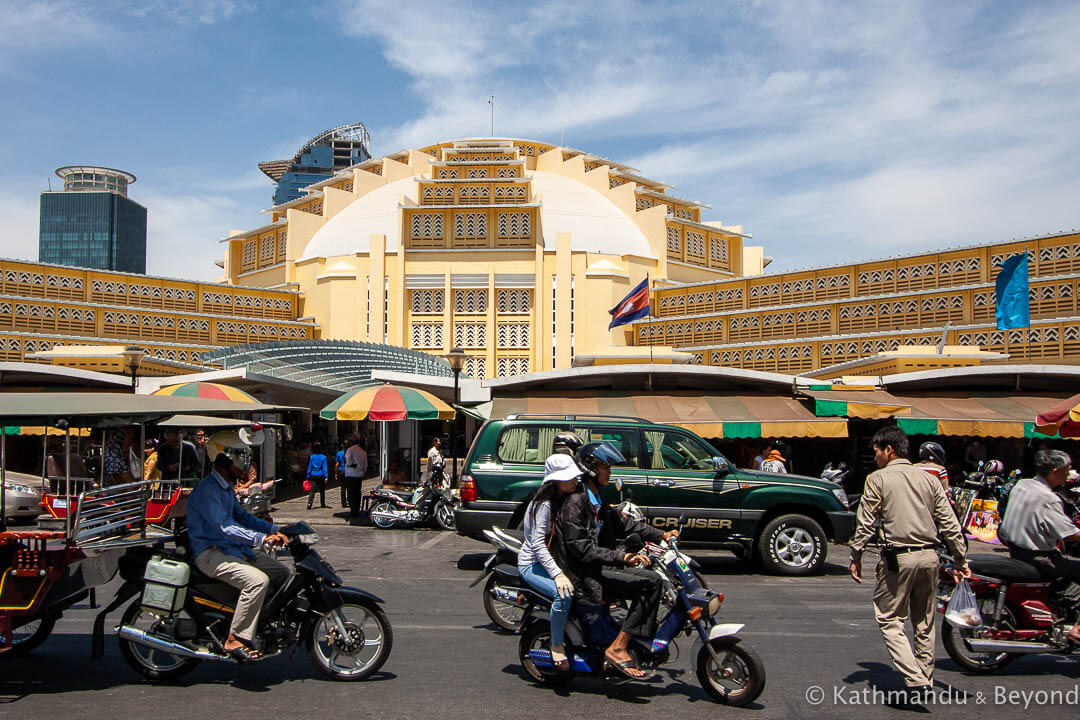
587, 536
932, 460
224, 538
538, 568
1035, 523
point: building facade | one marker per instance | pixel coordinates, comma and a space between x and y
92, 223
799, 322
43, 305
511, 249
318, 159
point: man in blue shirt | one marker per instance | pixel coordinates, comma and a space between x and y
224, 540
339, 473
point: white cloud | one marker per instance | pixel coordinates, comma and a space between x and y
880, 126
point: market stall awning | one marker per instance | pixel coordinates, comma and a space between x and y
982, 414
1061, 419
862, 404
722, 416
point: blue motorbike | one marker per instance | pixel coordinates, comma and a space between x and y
728, 669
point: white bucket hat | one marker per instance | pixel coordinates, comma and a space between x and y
561, 467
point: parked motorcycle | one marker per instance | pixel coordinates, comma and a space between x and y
727, 667
429, 503
182, 617
838, 474
1018, 615
257, 498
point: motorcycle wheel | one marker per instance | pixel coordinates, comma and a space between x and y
370, 641
538, 637
984, 663
148, 662
27, 637
444, 516
506, 616
740, 676
382, 522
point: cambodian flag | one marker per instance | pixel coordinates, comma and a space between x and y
635, 305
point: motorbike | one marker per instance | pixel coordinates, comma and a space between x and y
504, 596
727, 667
346, 633
257, 498
838, 474
430, 502
1018, 614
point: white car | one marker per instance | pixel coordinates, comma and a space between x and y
22, 497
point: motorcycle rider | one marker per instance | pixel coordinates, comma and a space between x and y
224, 538
1035, 523
538, 568
587, 535
932, 460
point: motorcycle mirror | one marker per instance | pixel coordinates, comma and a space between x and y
682, 519
634, 543
618, 484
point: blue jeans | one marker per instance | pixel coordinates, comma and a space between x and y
538, 580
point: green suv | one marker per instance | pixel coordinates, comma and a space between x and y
785, 520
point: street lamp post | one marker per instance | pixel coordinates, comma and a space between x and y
456, 358
133, 355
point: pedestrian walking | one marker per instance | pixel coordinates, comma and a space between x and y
316, 475
911, 507
356, 463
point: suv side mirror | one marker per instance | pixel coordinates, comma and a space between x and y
721, 466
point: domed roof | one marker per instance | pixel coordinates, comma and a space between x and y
595, 224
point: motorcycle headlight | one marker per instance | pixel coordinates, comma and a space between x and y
714, 604
308, 539
841, 496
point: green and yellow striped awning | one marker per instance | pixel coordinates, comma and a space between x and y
861, 404
714, 416
980, 414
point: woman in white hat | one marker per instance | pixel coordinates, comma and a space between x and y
535, 563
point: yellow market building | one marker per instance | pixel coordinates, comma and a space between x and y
513, 250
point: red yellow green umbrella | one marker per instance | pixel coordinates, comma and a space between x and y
1063, 419
206, 391
387, 402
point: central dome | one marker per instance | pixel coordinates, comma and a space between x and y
595, 224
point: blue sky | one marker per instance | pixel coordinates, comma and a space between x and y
831, 131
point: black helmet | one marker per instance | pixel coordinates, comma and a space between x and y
598, 452
932, 452
566, 443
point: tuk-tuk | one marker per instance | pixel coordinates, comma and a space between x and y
45, 571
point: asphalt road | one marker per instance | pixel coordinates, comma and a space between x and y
449, 662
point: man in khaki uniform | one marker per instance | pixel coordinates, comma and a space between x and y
911, 507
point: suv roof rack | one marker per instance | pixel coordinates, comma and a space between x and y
571, 418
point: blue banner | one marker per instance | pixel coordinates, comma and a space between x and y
1012, 293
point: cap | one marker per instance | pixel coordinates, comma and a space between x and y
561, 467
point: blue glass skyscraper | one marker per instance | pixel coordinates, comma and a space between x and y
318, 159
92, 223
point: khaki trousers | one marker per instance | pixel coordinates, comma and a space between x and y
252, 577
907, 593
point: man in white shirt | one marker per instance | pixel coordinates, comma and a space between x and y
356, 461
1035, 523
435, 459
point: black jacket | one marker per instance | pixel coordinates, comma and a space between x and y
582, 549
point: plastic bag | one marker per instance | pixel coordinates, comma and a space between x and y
307, 486
963, 609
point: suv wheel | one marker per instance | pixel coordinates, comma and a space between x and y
792, 545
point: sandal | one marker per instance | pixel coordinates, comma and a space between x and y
625, 666
560, 661
243, 653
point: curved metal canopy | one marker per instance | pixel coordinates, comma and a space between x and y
334, 364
